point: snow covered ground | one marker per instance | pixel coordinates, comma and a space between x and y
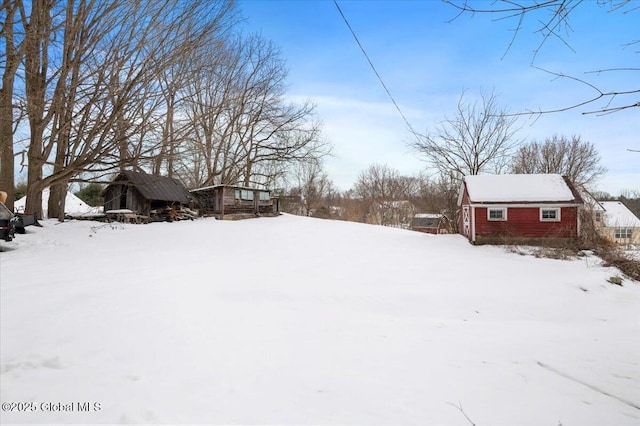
292, 320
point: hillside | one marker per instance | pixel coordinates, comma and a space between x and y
293, 320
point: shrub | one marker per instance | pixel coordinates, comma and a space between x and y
90, 194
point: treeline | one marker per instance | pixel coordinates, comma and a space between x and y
175, 88
170, 87
381, 195
384, 196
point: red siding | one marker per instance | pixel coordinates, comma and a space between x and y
525, 222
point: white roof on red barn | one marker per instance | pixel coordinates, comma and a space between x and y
520, 188
617, 215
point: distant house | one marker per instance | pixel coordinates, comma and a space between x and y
431, 223
532, 209
617, 223
229, 201
143, 193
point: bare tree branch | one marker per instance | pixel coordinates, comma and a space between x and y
553, 22
610, 96
572, 157
478, 139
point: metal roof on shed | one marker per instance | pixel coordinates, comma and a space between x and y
154, 187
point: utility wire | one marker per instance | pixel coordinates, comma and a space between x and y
374, 69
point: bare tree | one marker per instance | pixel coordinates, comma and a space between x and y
242, 128
155, 85
92, 97
312, 183
480, 138
553, 21
38, 37
266, 127
577, 159
9, 61
448, 188
378, 188
209, 94
193, 71
437, 194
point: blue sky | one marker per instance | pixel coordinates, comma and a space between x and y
427, 62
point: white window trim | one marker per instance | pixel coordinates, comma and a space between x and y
556, 219
617, 233
504, 214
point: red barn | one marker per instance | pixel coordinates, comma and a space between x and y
531, 209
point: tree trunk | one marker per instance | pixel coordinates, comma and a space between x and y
36, 67
167, 148
34, 177
34, 200
7, 183
57, 198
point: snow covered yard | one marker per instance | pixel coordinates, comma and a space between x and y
292, 320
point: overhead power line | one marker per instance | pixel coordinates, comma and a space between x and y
374, 69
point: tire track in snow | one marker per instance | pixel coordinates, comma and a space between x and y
566, 376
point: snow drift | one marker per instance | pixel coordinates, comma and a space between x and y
293, 320
73, 206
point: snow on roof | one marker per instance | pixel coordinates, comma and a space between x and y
514, 188
618, 215
74, 206
428, 215
398, 204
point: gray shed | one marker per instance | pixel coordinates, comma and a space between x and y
231, 201
141, 192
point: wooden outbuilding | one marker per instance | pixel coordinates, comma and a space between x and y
235, 202
540, 209
431, 223
144, 194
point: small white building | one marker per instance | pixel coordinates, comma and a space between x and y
617, 222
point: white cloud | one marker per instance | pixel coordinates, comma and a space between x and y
364, 133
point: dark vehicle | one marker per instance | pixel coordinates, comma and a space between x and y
21, 220
7, 223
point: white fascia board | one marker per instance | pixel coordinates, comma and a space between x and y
530, 205
473, 223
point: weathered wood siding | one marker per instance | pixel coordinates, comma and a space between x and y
112, 198
222, 200
133, 201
